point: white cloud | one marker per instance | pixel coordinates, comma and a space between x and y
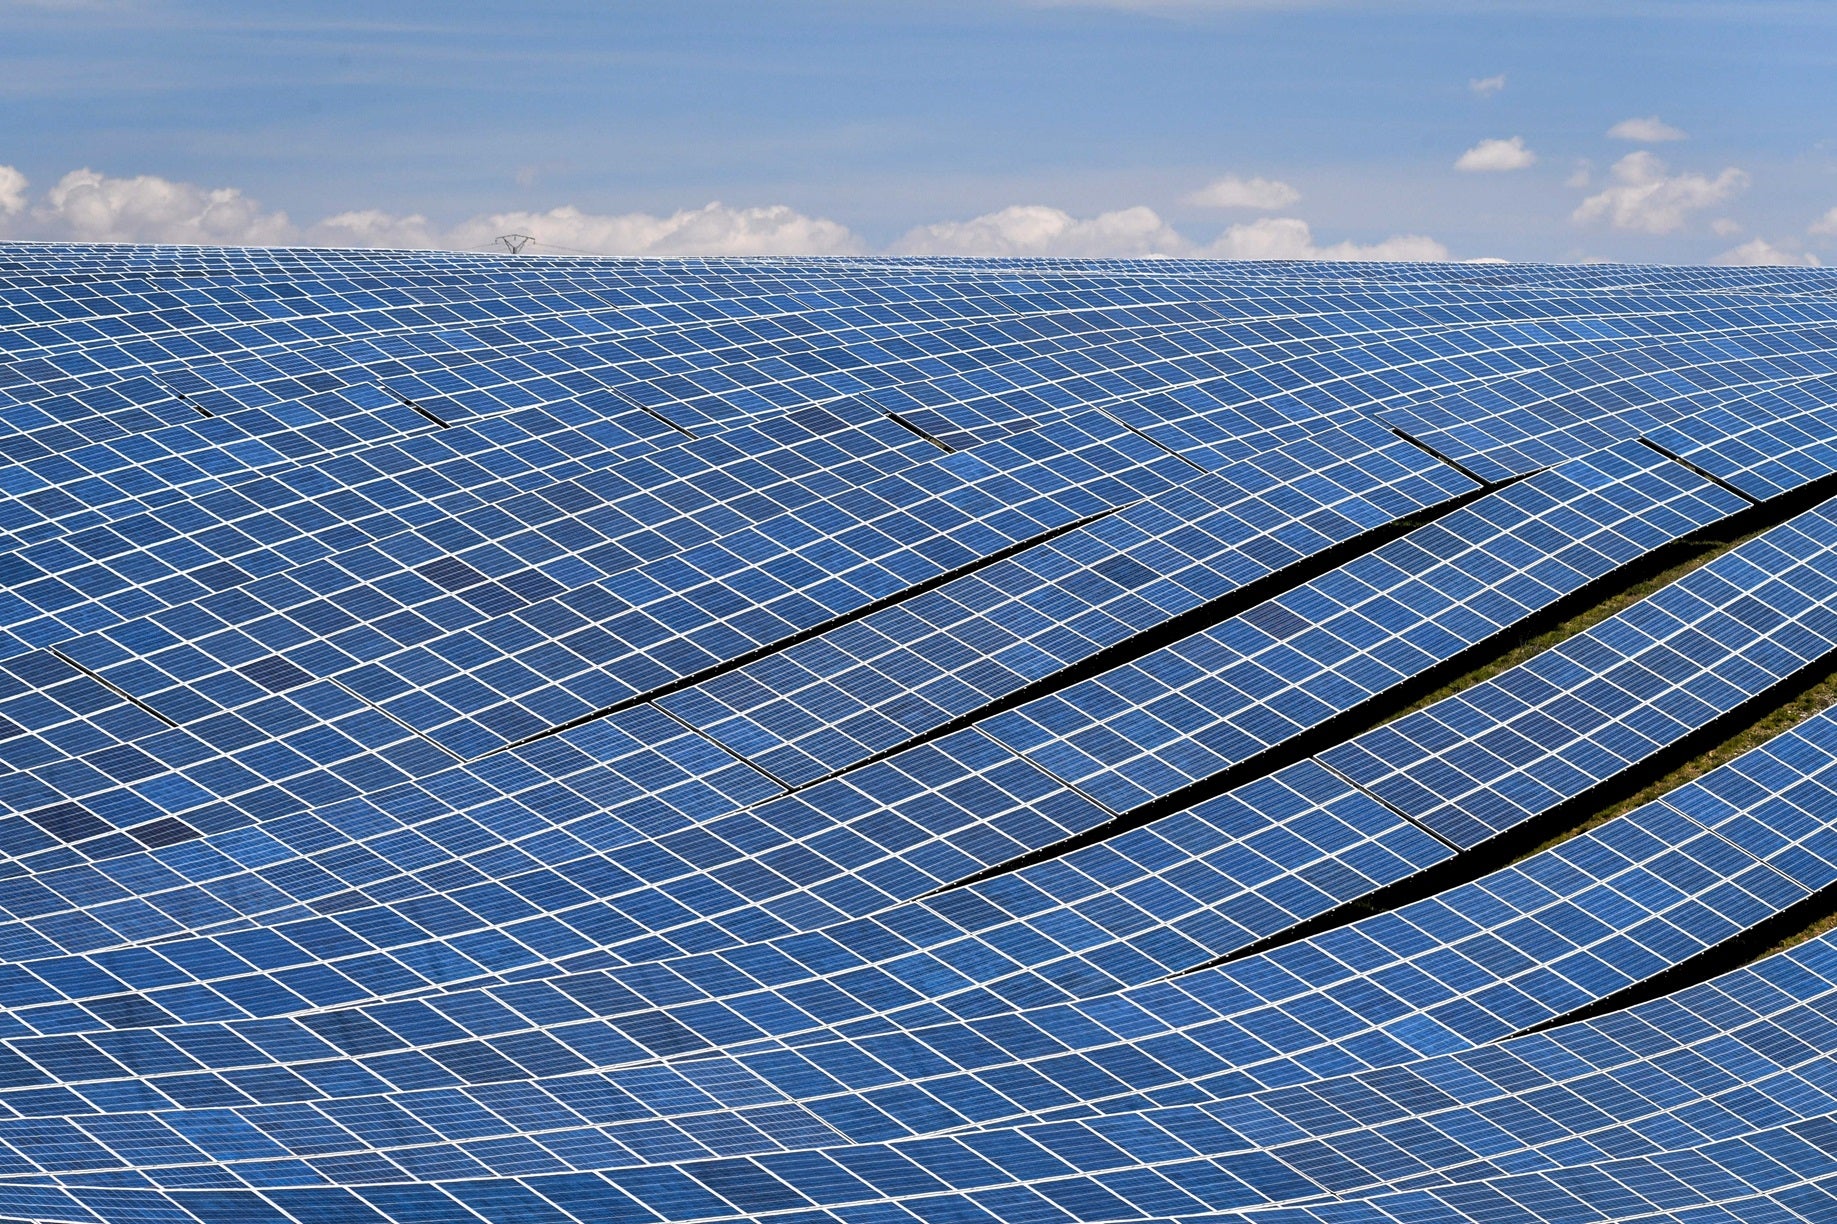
1037, 230
1725, 227
1034, 229
1643, 196
370, 227
1233, 192
713, 229
1582, 175
1648, 129
91, 207
1495, 155
1486, 87
1826, 225
12, 191
1758, 252
1290, 238
88, 206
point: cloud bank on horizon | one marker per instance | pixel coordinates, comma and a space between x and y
1643, 195
85, 206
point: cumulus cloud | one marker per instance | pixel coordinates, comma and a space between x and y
1038, 230
1644, 196
1496, 155
91, 207
1262, 194
1758, 252
1826, 225
1486, 87
12, 191
1648, 129
370, 227
713, 229
1034, 229
87, 206
1291, 238
1725, 227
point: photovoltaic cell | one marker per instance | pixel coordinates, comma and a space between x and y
1286, 666
571, 740
1654, 860
1556, 726
823, 705
1766, 444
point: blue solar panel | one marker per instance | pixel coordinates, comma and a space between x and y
1286, 666
531, 664
1491, 914
1767, 443
823, 705
580, 740
1553, 728
1518, 425
672, 498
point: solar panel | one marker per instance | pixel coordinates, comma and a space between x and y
570, 740
1225, 695
672, 498
1511, 427
1765, 444
826, 704
1409, 1118
1556, 726
1490, 914
470, 690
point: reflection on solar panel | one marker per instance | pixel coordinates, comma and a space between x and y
508, 739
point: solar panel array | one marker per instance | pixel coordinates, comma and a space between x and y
505, 739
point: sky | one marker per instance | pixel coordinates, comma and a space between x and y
1676, 131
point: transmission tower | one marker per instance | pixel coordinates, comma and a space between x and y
514, 243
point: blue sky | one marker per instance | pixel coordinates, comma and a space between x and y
992, 126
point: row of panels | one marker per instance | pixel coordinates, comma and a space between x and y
589, 740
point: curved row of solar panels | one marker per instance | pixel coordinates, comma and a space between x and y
909, 742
